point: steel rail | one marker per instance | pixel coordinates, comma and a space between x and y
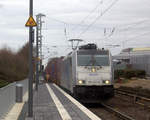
117, 113
135, 96
133, 93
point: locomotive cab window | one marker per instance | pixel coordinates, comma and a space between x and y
93, 60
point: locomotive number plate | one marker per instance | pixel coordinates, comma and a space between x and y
93, 74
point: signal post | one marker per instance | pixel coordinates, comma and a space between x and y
30, 23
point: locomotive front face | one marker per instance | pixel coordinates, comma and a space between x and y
93, 68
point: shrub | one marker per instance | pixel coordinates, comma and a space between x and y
140, 73
118, 73
129, 73
3, 83
14, 66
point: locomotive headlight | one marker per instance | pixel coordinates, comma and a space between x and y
80, 81
93, 70
107, 81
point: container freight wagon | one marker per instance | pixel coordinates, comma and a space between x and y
54, 71
87, 73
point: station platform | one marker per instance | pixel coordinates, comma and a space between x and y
52, 103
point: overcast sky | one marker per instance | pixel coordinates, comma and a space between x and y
105, 22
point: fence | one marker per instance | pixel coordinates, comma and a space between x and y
8, 96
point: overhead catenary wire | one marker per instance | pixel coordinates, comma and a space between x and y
126, 27
137, 36
66, 23
97, 18
54, 46
129, 39
86, 17
134, 23
123, 27
111, 31
56, 20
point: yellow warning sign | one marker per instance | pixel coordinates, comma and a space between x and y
31, 22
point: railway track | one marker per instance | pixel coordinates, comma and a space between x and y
140, 100
119, 114
124, 106
106, 112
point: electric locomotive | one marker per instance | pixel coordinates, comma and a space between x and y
87, 73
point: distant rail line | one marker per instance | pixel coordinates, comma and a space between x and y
119, 114
108, 111
140, 100
131, 92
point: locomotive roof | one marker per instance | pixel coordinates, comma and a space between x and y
97, 51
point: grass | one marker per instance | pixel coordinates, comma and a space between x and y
3, 83
126, 80
122, 80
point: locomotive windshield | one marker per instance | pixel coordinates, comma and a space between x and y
93, 60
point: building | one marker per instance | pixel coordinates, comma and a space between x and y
138, 58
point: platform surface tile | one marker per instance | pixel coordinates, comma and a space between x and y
50, 103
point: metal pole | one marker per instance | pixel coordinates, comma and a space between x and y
30, 99
37, 56
39, 46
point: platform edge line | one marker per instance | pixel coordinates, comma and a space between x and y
62, 111
90, 114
